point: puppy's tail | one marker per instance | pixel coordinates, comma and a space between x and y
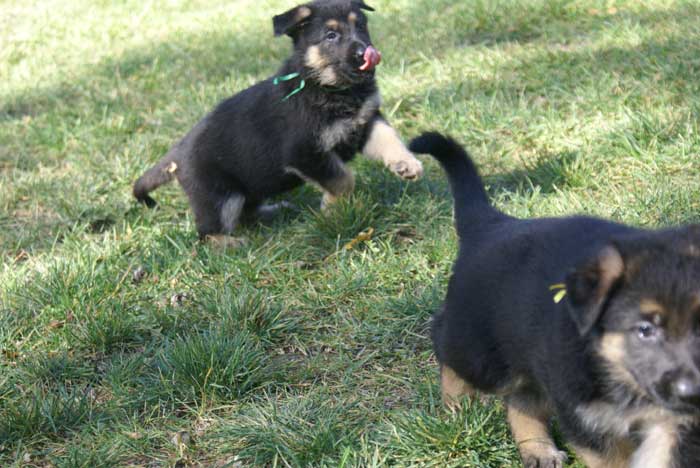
466, 185
162, 173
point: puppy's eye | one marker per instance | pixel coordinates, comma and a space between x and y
332, 36
647, 331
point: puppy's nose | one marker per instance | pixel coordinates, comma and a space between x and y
687, 390
359, 54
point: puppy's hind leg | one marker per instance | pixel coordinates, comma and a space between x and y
217, 217
229, 214
528, 421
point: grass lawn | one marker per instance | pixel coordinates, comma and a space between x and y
125, 342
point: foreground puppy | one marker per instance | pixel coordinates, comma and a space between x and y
300, 126
593, 322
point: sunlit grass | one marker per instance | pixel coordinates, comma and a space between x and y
295, 351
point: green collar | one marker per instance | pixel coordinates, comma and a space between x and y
291, 76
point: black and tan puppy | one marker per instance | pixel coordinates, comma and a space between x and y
302, 125
592, 322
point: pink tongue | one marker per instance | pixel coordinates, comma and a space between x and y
372, 59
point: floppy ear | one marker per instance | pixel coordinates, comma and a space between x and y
288, 22
589, 287
362, 5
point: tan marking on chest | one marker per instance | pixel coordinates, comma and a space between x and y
617, 457
340, 130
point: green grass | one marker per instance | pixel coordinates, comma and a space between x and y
293, 351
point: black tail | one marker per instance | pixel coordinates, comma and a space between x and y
162, 173
466, 185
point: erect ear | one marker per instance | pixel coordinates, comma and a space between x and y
362, 5
289, 22
589, 287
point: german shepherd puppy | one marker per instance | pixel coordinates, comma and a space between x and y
592, 322
302, 125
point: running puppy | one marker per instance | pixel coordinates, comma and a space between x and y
302, 125
592, 322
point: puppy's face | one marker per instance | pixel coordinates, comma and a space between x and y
332, 41
647, 329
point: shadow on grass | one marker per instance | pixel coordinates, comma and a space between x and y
212, 57
180, 62
548, 172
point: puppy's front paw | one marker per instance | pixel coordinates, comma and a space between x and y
407, 168
543, 456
